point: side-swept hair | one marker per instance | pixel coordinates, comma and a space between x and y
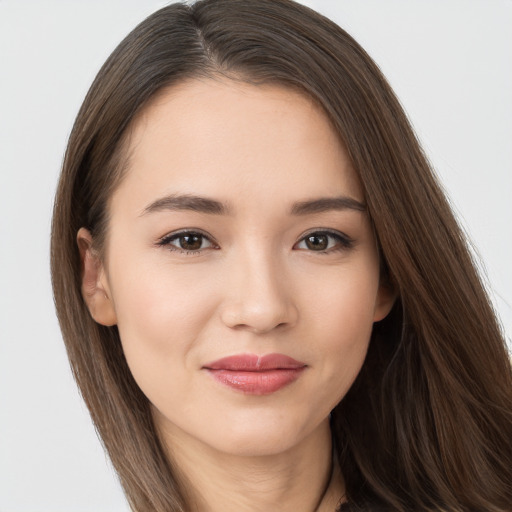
428, 423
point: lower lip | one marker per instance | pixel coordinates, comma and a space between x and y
257, 382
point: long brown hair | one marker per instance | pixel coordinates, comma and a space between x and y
428, 423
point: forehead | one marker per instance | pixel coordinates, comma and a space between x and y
228, 138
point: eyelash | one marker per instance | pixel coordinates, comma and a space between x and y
343, 242
167, 240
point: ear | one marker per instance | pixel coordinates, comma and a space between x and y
386, 297
95, 287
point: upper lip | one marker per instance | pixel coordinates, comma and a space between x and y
255, 363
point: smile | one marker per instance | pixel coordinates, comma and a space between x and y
256, 375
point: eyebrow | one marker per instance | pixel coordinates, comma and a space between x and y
325, 204
175, 202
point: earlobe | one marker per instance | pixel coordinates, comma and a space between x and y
95, 287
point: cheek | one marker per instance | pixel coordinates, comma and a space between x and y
343, 304
343, 323
161, 312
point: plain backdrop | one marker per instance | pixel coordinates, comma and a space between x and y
450, 62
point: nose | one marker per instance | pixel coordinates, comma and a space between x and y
258, 296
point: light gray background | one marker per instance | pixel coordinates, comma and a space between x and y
450, 61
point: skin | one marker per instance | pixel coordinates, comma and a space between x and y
253, 286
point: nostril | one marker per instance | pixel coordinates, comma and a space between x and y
259, 313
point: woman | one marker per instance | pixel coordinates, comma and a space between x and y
265, 298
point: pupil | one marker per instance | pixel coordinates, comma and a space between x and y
317, 242
191, 242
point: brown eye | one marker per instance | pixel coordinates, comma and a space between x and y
192, 242
317, 242
187, 242
324, 241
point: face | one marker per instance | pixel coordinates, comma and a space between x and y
241, 267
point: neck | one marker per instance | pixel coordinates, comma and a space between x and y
302, 478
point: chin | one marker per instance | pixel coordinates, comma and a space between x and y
260, 438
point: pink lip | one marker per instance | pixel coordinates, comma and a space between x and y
256, 375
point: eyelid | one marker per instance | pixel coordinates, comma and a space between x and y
343, 239
165, 241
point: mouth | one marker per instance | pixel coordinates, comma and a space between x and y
256, 375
